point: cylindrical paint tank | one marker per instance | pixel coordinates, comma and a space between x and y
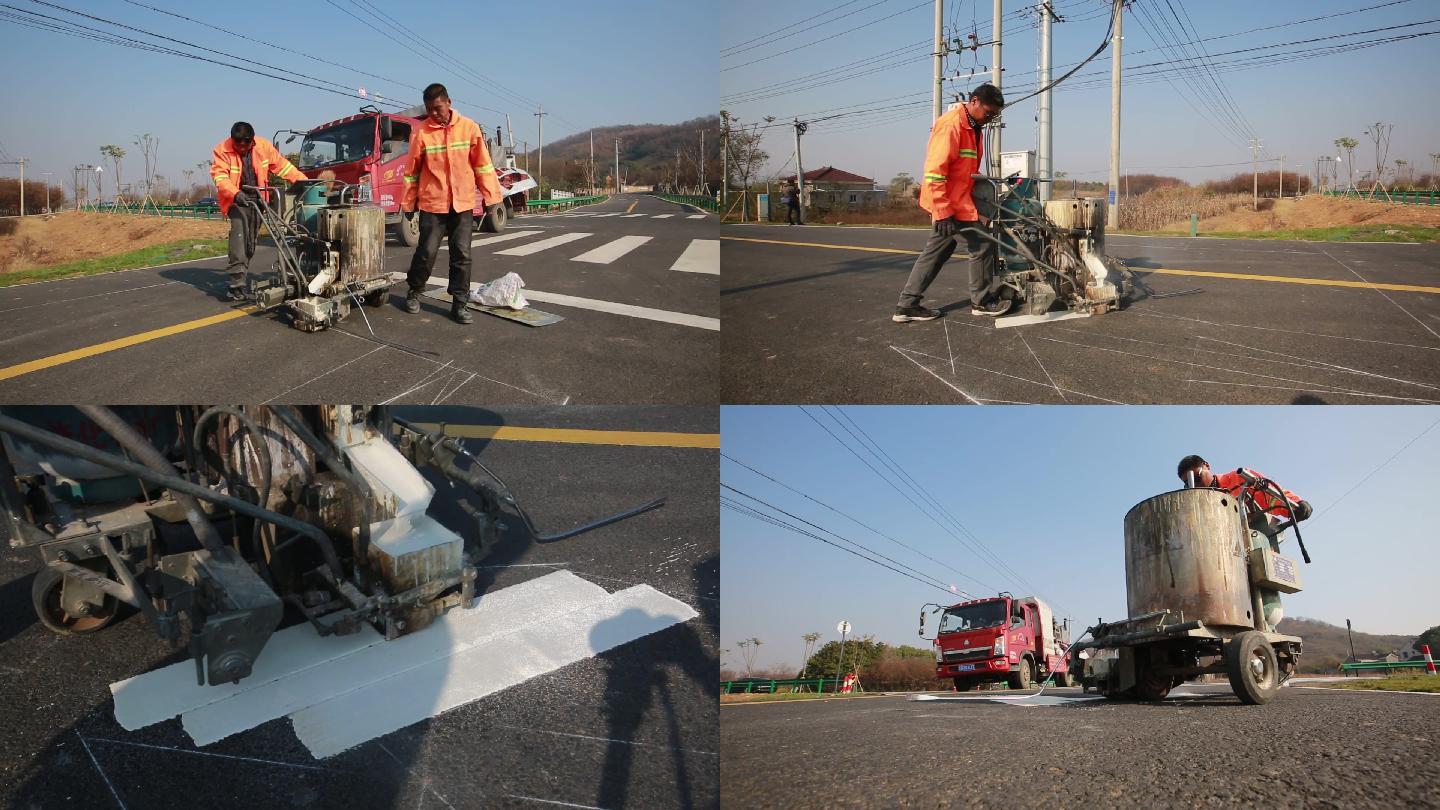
360, 229
1186, 551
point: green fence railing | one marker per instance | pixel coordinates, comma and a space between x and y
546, 206
175, 211
756, 686
708, 203
1382, 666
1397, 197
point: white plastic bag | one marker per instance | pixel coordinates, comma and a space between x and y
502, 292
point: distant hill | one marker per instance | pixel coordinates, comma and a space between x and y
647, 154
1327, 646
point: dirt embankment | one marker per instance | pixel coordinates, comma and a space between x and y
44, 241
1314, 212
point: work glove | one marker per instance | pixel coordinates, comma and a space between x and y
1303, 511
947, 227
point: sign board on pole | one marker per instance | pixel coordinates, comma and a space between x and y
843, 628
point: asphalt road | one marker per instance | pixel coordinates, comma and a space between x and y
141, 335
807, 319
1307, 748
635, 726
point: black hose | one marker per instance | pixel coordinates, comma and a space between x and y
257, 440
323, 451
174, 483
131, 440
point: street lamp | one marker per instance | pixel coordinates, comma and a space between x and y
99, 187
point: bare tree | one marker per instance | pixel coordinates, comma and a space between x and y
150, 148
116, 155
1379, 132
810, 639
1349, 144
745, 158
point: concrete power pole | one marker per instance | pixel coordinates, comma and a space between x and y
1282, 177
992, 151
541, 171
592, 162
702, 162
1046, 144
800, 128
21, 163
1255, 169
937, 91
1112, 216
617, 166
47, 175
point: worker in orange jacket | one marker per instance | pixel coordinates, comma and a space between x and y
953, 155
448, 161
1197, 470
241, 162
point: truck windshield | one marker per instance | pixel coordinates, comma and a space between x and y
341, 144
973, 617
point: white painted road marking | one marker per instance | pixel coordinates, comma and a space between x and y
543, 244
512, 658
610, 251
632, 216
696, 216
702, 256
662, 216
610, 307
504, 237
612, 214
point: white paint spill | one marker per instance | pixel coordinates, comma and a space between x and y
424, 691
341, 691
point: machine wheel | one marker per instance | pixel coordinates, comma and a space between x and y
1254, 672
1150, 686
45, 595
1022, 678
409, 229
375, 298
496, 217
964, 685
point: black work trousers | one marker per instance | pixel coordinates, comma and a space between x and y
244, 227
456, 227
938, 250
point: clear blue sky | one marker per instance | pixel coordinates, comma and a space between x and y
1297, 108
589, 64
1046, 489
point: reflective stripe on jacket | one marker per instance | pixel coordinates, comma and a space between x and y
952, 156
447, 162
225, 169
1233, 482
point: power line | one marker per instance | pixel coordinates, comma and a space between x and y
1368, 475
827, 38
727, 52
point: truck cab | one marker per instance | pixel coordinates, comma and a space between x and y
1000, 638
370, 148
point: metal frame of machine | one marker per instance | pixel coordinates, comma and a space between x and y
1147, 655
1048, 252
223, 516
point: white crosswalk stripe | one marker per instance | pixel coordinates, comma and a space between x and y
696, 216
610, 251
546, 244
701, 256
632, 216
612, 214
662, 216
503, 237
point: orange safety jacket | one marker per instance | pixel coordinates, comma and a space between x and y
951, 158
446, 164
1233, 482
225, 169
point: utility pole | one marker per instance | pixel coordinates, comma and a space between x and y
677, 170
1352, 639
992, 152
525, 145
937, 90
1112, 216
21, 162
47, 190
617, 166
800, 127
1282, 177
702, 162
1255, 167
1046, 144
541, 116
592, 162
724, 165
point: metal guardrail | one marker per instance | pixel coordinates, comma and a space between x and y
769, 687
172, 211
1387, 666
547, 206
1397, 197
708, 203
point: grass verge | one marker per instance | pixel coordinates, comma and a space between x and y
1397, 683
1341, 233
144, 257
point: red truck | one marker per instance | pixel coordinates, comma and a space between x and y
1000, 638
370, 148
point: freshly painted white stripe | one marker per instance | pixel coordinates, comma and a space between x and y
495, 614
696, 216
503, 237
170, 691
611, 214
702, 256
437, 686
632, 216
662, 216
611, 307
610, 251
543, 244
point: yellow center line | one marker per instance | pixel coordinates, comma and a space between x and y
630, 438
1322, 282
20, 369
632, 206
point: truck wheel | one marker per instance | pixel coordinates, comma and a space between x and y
1021, 679
496, 218
964, 685
1252, 668
408, 229
45, 595
1062, 679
